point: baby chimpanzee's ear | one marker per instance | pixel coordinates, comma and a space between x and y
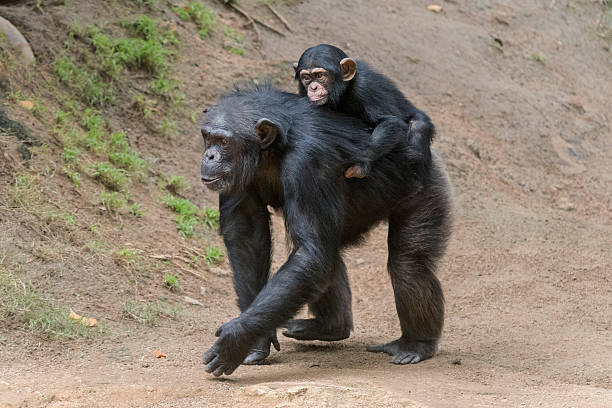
266, 131
295, 65
349, 69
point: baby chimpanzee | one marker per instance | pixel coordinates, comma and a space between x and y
330, 78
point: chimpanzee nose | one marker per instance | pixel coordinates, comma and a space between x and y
314, 86
211, 156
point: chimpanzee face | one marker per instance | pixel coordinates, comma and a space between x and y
317, 82
322, 78
232, 149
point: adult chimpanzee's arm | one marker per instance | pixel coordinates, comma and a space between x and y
313, 228
245, 227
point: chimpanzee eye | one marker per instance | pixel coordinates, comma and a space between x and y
319, 75
306, 78
224, 142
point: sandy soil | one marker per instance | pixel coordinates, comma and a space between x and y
527, 278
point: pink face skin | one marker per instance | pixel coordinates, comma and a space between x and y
316, 82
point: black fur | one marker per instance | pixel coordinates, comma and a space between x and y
301, 171
375, 99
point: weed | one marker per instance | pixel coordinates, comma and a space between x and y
148, 313
538, 57
237, 50
112, 201
83, 82
74, 176
111, 177
38, 109
213, 255
136, 210
177, 184
211, 217
237, 39
61, 117
180, 205
171, 281
71, 156
127, 257
167, 128
203, 17
21, 302
144, 106
187, 218
24, 192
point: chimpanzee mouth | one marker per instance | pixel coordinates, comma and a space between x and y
319, 101
207, 180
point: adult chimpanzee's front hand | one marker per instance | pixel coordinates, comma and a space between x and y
230, 349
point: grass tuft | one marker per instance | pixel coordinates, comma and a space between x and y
148, 313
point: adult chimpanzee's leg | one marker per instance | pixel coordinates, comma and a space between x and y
332, 310
245, 225
416, 243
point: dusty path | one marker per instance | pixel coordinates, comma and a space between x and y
527, 276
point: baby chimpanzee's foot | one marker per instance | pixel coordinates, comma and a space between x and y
312, 329
405, 351
261, 350
357, 171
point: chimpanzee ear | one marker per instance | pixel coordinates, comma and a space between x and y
349, 69
295, 65
266, 131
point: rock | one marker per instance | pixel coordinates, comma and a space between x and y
359, 261
192, 301
566, 205
219, 271
29, 105
258, 390
297, 390
435, 8
202, 290
16, 40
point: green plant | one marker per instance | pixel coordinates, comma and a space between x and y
177, 184
187, 218
149, 312
109, 176
112, 201
211, 217
203, 17
235, 47
537, 57
21, 302
167, 128
171, 281
83, 82
213, 255
136, 210
74, 176
70, 156
127, 257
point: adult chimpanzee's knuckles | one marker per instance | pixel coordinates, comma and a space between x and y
208, 356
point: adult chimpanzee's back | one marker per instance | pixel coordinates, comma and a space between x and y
265, 147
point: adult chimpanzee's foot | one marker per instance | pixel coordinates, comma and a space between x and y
261, 350
312, 329
405, 351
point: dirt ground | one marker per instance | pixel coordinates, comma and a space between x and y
525, 132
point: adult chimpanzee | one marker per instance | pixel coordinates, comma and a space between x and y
330, 78
265, 147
